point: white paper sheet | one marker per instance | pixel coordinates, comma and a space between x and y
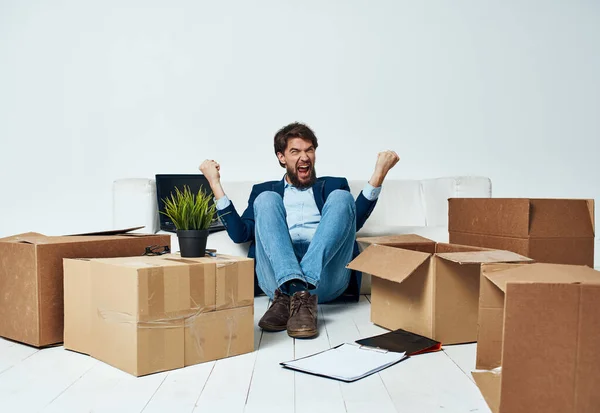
348, 362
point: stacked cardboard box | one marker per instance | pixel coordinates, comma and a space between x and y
539, 335
425, 287
149, 314
559, 231
31, 278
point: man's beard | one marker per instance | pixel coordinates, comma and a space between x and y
295, 179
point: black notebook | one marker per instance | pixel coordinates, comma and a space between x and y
402, 341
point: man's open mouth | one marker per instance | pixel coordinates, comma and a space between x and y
303, 171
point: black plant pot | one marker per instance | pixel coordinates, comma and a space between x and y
192, 243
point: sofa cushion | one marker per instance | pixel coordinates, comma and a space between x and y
435, 194
399, 204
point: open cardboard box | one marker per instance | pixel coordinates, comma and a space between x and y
539, 336
428, 288
31, 277
149, 314
557, 231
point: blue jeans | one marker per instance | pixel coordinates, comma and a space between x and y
322, 262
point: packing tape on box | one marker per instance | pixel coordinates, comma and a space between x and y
187, 317
218, 331
207, 335
223, 261
173, 290
226, 285
234, 290
166, 296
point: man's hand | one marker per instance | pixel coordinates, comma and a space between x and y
211, 170
385, 161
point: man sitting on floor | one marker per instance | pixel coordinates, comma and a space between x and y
301, 229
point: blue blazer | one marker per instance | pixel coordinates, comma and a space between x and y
241, 228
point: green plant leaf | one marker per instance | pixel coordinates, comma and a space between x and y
189, 211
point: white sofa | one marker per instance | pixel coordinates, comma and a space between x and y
404, 207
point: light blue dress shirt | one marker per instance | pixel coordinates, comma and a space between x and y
303, 216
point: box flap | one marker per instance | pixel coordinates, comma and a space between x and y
480, 257
489, 383
395, 240
108, 232
543, 273
393, 264
27, 238
12, 238
443, 247
37, 238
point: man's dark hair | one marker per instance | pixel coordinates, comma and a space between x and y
293, 130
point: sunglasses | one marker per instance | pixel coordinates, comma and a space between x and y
157, 250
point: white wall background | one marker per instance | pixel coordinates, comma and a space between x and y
95, 91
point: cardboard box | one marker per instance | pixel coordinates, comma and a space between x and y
539, 338
31, 278
425, 287
559, 231
149, 314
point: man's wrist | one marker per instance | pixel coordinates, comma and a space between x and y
217, 189
376, 179
213, 182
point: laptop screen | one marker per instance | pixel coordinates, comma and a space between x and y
166, 184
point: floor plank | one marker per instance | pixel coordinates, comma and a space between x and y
131, 394
44, 375
361, 315
272, 387
464, 357
431, 383
229, 382
89, 391
365, 394
4, 344
12, 353
313, 393
180, 390
227, 386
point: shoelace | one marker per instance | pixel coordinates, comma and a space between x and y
299, 302
280, 299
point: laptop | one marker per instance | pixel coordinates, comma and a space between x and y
166, 184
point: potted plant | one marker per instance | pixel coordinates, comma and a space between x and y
192, 215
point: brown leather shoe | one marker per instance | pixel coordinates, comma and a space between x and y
276, 317
303, 315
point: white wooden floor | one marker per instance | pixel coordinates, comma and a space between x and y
57, 380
